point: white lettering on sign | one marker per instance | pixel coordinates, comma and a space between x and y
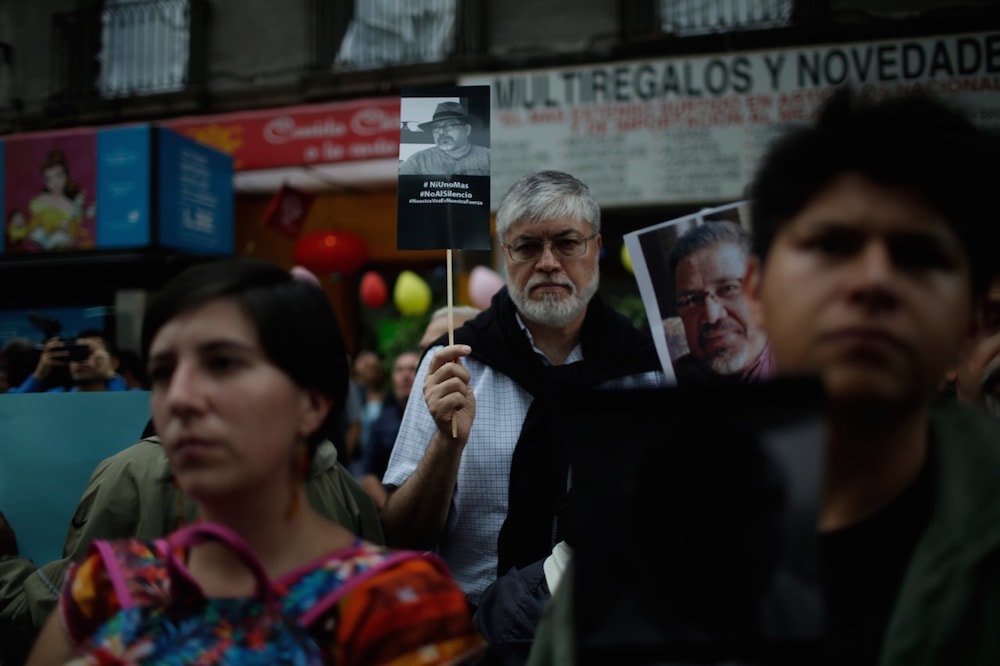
284, 129
689, 130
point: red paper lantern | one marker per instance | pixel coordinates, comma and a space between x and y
333, 251
373, 290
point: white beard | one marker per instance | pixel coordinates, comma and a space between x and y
552, 310
730, 362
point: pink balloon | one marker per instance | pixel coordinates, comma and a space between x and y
484, 283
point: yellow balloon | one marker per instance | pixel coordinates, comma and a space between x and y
625, 258
411, 294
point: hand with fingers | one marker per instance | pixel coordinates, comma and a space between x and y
448, 394
53, 355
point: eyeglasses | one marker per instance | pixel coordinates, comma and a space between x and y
445, 127
726, 292
564, 247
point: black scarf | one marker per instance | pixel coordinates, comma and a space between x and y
612, 347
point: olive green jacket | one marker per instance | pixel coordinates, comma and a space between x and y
131, 494
948, 609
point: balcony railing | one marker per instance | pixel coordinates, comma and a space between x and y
694, 17
130, 47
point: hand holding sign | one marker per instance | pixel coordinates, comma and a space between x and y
444, 177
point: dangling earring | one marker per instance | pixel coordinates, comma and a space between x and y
299, 472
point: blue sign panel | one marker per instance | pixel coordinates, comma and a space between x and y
18, 324
131, 187
45, 462
124, 182
195, 195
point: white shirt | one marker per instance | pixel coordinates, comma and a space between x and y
479, 503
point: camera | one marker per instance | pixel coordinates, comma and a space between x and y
77, 352
50, 328
74, 351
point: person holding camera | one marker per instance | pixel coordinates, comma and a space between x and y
89, 358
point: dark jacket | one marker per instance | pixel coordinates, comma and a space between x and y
948, 609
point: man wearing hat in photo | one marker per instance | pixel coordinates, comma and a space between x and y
453, 154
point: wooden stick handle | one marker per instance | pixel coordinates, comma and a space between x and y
451, 331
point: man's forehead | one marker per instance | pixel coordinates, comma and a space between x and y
853, 200
720, 253
435, 329
719, 247
549, 226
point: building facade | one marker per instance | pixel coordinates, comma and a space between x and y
93, 63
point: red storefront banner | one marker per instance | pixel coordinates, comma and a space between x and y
365, 129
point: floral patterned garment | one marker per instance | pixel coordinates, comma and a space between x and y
131, 601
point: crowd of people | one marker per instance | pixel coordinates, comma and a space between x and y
423, 510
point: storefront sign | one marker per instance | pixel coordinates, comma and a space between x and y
685, 130
366, 129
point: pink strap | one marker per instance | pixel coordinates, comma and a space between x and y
202, 532
325, 603
115, 574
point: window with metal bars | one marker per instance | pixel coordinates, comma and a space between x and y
398, 32
145, 47
692, 17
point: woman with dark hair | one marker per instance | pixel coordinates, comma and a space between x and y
247, 373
